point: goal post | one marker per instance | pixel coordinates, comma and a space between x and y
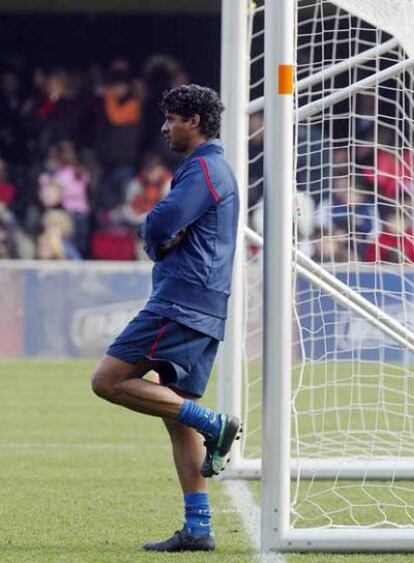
277, 269
234, 132
325, 277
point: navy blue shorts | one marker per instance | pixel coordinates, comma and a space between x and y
184, 356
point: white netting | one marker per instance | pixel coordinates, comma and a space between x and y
352, 399
352, 384
391, 15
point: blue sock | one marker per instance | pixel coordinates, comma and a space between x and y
202, 419
197, 514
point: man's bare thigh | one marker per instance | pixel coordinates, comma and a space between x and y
118, 370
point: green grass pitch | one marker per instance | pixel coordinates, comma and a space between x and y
84, 481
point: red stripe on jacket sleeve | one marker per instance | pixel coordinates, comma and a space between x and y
208, 180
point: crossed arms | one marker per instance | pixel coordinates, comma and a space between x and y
166, 225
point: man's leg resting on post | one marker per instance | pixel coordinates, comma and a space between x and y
121, 383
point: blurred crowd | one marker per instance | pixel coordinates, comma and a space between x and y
82, 162
355, 192
82, 159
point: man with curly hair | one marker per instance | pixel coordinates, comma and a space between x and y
191, 237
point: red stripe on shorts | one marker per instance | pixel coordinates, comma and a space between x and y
156, 341
208, 180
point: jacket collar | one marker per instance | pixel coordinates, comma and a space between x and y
211, 146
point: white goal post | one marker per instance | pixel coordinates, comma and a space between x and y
335, 443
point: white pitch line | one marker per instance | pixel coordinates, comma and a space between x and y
246, 506
57, 446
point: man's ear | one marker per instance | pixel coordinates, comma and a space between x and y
195, 120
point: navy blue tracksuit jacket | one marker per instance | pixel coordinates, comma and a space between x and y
203, 199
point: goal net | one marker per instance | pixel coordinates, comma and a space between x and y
351, 402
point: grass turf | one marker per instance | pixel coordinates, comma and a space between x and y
83, 480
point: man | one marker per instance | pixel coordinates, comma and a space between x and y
191, 236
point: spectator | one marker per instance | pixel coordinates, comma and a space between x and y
66, 187
50, 247
340, 161
7, 190
50, 191
396, 241
366, 111
313, 157
330, 246
392, 172
364, 152
348, 211
73, 180
118, 137
121, 108
57, 234
14, 243
60, 115
149, 186
8, 242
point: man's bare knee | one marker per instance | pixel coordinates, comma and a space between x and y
101, 384
111, 373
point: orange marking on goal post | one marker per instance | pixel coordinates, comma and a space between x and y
285, 82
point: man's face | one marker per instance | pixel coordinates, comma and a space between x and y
177, 131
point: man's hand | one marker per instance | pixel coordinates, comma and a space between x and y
165, 248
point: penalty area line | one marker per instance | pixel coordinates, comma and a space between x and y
244, 503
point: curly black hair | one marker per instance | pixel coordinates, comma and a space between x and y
190, 99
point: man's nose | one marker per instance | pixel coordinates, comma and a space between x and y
164, 127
